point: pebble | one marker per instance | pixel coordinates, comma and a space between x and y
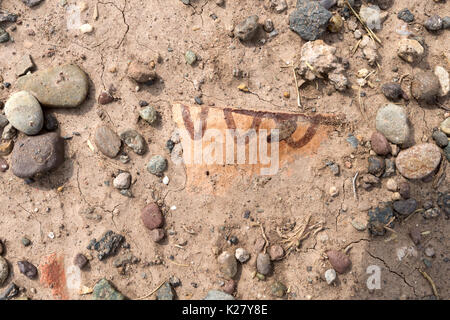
447, 152
25, 242
28, 269
3, 121
2, 247
445, 126
157, 234
25, 113
357, 34
242, 255
410, 50
405, 15
339, 261
392, 185
392, 122
404, 190
80, 261
104, 290
7, 16
3, 165
376, 166
107, 245
122, 181
446, 22
405, 207
247, 29
50, 122
276, 252
218, 295
334, 192
31, 3
309, 20
105, 97
359, 225
107, 141
229, 286
444, 80
4, 36
152, 217
37, 154
278, 289
418, 161
330, 276
371, 16
165, 292
429, 252
24, 65
268, 25
133, 140
86, 28
440, 138
59, 87
393, 91
227, 264
380, 144
378, 219
433, 23
141, 73
190, 57
336, 23
149, 114
157, 165
415, 236
174, 281
263, 264
4, 270
6, 147
425, 86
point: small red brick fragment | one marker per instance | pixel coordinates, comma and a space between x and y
53, 275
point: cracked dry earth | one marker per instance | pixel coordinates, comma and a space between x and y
205, 217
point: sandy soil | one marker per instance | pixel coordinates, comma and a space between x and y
135, 29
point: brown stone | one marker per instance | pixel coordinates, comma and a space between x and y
415, 235
37, 154
6, 148
425, 86
80, 261
380, 144
152, 217
339, 260
105, 98
404, 190
3, 165
229, 286
140, 72
107, 141
276, 253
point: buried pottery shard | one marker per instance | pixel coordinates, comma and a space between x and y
37, 154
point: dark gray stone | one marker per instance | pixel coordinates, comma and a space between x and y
165, 292
309, 20
405, 207
405, 15
4, 36
38, 154
376, 166
5, 16
218, 295
433, 23
247, 29
28, 269
393, 91
378, 218
440, 138
31, 3
107, 245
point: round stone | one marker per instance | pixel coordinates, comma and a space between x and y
393, 91
107, 141
242, 255
227, 264
339, 261
263, 264
380, 144
433, 23
278, 289
418, 161
157, 165
149, 114
392, 122
425, 86
133, 140
24, 113
152, 217
122, 181
276, 252
37, 154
